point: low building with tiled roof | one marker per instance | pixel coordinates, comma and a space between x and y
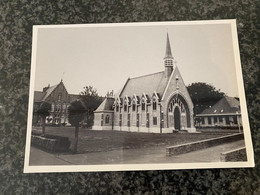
225, 113
59, 99
158, 103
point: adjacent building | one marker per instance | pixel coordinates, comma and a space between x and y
225, 113
59, 98
157, 103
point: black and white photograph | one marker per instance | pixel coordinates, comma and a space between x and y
137, 96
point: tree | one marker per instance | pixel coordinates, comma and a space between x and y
203, 96
43, 112
91, 101
76, 112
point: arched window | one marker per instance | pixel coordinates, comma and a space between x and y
107, 119
143, 106
117, 107
125, 107
154, 105
133, 106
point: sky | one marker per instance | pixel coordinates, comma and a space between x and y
106, 56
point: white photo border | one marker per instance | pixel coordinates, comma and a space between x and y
139, 167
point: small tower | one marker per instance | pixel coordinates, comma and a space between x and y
168, 59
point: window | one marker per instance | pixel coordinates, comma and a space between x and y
209, 120
117, 107
59, 97
128, 120
235, 120
154, 120
102, 117
203, 120
227, 120
143, 106
125, 107
133, 107
154, 105
107, 119
221, 119
215, 119
137, 120
120, 120
147, 120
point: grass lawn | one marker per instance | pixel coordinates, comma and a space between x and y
95, 141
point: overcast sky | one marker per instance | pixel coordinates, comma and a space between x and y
104, 57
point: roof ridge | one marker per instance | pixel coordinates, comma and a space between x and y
146, 75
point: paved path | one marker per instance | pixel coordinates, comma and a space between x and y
131, 156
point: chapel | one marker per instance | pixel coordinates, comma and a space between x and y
153, 103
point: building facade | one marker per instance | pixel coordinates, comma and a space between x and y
59, 98
156, 103
225, 113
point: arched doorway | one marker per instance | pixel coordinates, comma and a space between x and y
178, 113
177, 118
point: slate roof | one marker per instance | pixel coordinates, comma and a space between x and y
48, 92
227, 105
38, 95
106, 105
147, 84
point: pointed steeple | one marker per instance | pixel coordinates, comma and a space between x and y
169, 62
168, 53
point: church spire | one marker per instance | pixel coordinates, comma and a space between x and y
168, 53
168, 59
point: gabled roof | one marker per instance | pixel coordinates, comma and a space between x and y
227, 105
49, 91
145, 84
38, 95
106, 105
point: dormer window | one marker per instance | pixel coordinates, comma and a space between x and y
215, 111
222, 110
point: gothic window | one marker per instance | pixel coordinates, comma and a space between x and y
128, 120
117, 107
120, 120
154, 120
59, 97
143, 106
125, 107
154, 105
133, 106
137, 120
107, 119
170, 107
147, 120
